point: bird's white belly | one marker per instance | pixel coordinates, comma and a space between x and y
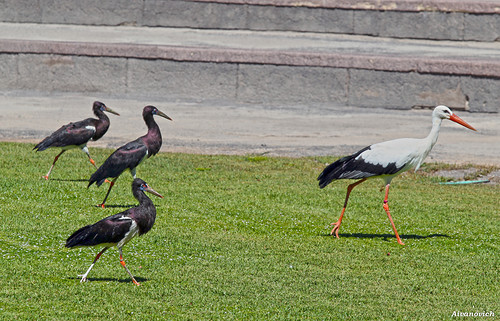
134, 229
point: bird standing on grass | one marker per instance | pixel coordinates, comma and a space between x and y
131, 154
120, 228
386, 160
78, 134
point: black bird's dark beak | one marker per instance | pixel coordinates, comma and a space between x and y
159, 113
111, 111
152, 191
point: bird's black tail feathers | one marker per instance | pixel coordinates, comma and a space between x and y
82, 237
332, 171
345, 167
43, 145
98, 177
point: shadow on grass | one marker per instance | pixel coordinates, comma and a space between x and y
123, 206
69, 179
126, 280
117, 206
386, 236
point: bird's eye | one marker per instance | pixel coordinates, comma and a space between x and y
155, 111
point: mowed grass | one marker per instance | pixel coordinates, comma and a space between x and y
244, 238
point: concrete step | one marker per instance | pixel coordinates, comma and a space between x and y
458, 20
258, 67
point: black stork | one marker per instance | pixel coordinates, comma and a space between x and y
77, 135
131, 154
386, 160
117, 230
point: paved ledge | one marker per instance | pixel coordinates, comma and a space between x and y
424, 65
236, 46
251, 66
470, 6
459, 20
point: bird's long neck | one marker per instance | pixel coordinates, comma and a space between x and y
153, 137
425, 145
430, 140
101, 115
146, 214
102, 124
433, 135
143, 199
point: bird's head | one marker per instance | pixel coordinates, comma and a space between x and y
100, 106
139, 184
152, 110
444, 112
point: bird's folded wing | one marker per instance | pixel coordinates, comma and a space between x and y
110, 230
73, 134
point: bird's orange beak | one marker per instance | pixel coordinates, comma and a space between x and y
460, 121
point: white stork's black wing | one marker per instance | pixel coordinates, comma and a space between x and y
375, 160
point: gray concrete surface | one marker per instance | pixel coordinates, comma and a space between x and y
253, 129
250, 67
287, 83
477, 20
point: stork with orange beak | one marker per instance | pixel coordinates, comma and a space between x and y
386, 160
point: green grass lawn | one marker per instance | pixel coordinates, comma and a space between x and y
244, 238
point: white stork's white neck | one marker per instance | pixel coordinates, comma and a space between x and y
432, 138
433, 135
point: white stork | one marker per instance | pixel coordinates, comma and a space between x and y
386, 160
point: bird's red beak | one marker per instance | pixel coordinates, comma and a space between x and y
460, 121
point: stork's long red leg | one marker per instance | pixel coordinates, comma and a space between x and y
122, 262
51, 167
84, 276
386, 208
336, 225
109, 190
86, 151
